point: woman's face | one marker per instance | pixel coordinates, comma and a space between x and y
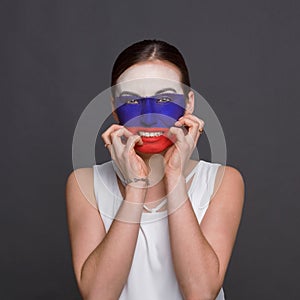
148, 100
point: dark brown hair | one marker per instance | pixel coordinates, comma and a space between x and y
148, 50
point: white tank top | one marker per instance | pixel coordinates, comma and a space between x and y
152, 276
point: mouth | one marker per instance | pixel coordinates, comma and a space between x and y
155, 139
150, 133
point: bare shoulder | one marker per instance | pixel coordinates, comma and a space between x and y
228, 179
82, 181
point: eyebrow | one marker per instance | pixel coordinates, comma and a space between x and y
165, 90
128, 93
158, 92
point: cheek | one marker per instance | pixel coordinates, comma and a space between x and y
127, 114
162, 115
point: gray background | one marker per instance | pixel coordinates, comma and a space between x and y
56, 56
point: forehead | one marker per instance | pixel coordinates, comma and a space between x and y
147, 78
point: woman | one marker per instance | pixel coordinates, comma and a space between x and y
172, 234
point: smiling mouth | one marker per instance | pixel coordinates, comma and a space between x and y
150, 134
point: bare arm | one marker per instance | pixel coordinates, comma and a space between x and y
101, 261
201, 253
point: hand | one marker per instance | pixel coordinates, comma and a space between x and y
178, 155
123, 154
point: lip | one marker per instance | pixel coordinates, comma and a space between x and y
154, 144
152, 139
164, 138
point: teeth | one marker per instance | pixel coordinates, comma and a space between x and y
150, 134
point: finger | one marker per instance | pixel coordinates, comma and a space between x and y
169, 153
117, 143
193, 118
188, 139
178, 132
107, 139
106, 134
195, 125
132, 141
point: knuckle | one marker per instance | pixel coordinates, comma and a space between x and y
115, 126
132, 138
115, 133
177, 130
103, 136
126, 130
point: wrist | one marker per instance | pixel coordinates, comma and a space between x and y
136, 194
130, 210
177, 193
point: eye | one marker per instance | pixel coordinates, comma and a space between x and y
163, 99
133, 101
128, 99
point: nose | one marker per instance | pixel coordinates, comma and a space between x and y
148, 117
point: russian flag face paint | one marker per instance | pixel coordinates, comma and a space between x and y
150, 117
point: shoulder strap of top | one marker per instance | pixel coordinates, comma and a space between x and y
103, 175
213, 169
106, 193
195, 169
203, 183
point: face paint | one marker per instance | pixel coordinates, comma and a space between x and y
150, 117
